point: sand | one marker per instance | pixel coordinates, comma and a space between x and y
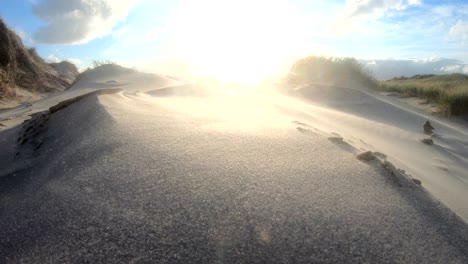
205, 173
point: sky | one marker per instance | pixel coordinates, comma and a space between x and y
245, 40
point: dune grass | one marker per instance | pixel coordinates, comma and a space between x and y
329, 70
449, 91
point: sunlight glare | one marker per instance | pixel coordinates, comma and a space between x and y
240, 41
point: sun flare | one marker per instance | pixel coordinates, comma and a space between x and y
239, 41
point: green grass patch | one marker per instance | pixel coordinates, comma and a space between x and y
449, 91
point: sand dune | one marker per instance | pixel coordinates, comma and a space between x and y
181, 173
370, 123
364, 121
111, 76
104, 77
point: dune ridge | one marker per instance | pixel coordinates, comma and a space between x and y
240, 172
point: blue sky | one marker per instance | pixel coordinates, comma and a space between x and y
251, 38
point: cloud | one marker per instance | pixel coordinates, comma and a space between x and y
74, 61
460, 30
25, 36
78, 21
376, 8
387, 69
443, 11
415, 2
375, 18
52, 58
452, 68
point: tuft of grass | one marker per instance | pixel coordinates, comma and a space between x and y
101, 62
333, 70
449, 91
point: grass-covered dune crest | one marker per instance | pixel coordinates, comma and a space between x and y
329, 70
449, 91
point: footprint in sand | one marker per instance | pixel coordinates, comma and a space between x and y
442, 168
336, 139
380, 155
309, 129
32, 136
366, 156
397, 175
304, 130
301, 123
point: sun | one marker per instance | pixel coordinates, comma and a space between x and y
239, 41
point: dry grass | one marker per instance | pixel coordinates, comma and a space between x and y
450, 92
330, 70
7, 62
23, 67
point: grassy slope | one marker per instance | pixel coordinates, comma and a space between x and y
23, 67
450, 92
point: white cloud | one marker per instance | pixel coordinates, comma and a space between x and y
389, 68
465, 69
78, 21
444, 10
415, 2
74, 61
52, 58
460, 30
452, 68
376, 8
365, 17
25, 37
